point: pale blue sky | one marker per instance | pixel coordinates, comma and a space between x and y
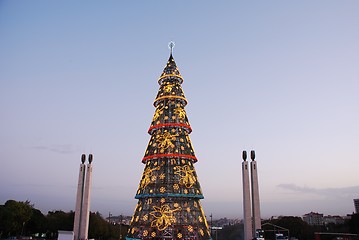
279, 77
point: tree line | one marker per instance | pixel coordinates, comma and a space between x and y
297, 229
20, 218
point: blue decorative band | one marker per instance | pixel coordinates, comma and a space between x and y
138, 196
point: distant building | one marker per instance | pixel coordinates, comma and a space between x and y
356, 205
314, 219
119, 219
333, 219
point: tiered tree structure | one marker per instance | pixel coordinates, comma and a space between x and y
169, 192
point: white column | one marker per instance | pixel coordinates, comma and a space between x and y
79, 197
246, 202
256, 212
86, 204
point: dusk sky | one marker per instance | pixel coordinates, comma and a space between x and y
278, 77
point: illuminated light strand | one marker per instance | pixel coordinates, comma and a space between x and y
170, 125
170, 75
157, 195
169, 156
169, 96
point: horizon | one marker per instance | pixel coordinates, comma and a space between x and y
280, 78
114, 215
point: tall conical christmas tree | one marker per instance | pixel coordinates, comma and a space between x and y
169, 192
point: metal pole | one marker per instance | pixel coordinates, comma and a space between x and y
211, 223
121, 227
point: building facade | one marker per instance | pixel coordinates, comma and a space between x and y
314, 219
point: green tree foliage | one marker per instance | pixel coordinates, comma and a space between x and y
231, 232
14, 217
60, 220
296, 226
354, 224
21, 218
37, 224
101, 229
98, 227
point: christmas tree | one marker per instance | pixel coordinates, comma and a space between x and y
169, 192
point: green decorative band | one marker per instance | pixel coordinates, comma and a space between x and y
138, 196
127, 238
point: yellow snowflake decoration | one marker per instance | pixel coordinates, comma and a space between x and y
165, 140
168, 88
180, 112
163, 217
187, 176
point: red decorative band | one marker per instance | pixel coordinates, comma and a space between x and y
169, 156
171, 125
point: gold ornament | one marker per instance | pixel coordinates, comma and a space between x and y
158, 112
187, 177
165, 140
147, 175
163, 217
180, 112
168, 88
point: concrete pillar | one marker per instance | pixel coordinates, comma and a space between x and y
86, 204
82, 209
256, 212
247, 223
79, 198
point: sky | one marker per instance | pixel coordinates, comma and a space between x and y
277, 77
